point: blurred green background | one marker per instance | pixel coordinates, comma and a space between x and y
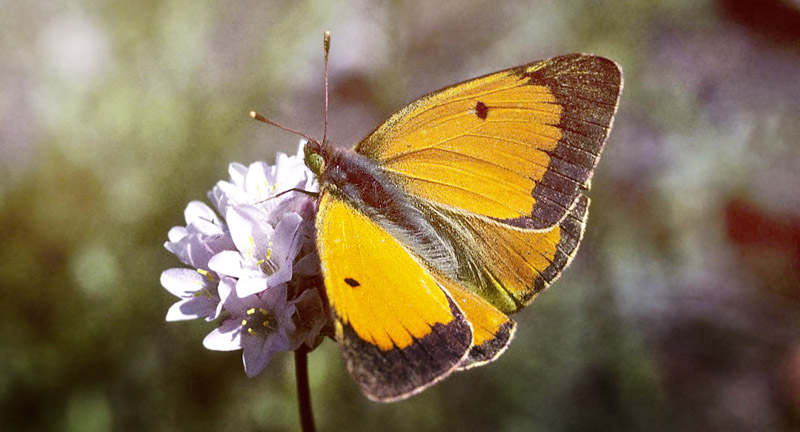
679, 313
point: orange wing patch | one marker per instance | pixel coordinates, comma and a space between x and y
398, 331
514, 145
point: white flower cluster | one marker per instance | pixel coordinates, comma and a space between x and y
256, 266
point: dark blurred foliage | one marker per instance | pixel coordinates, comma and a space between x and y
679, 313
777, 20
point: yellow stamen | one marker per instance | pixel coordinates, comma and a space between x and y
252, 246
261, 188
206, 273
251, 311
202, 293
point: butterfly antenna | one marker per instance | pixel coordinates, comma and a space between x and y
327, 44
263, 119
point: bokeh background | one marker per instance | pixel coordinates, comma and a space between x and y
679, 313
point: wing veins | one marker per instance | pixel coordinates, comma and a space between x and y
540, 184
489, 179
461, 189
504, 168
521, 143
476, 96
547, 152
578, 96
463, 98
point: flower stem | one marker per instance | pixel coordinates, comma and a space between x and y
303, 391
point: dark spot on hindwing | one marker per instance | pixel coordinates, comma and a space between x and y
352, 282
481, 110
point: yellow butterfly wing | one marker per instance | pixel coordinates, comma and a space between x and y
398, 330
499, 163
491, 172
516, 145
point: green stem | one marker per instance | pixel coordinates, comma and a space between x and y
303, 391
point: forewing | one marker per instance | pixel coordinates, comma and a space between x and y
515, 146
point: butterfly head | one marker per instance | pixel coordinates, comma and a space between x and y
314, 155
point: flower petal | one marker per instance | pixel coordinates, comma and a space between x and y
226, 286
275, 297
252, 283
174, 312
192, 308
235, 305
256, 183
308, 265
226, 337
227, 195
282, 275
227, 263
237, 172
182, 282
206, 227
250, 229
175, 234
200, 211
283, 239
257, 352
311, 318
196, 251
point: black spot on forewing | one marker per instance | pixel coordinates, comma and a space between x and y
352, 282
481, 110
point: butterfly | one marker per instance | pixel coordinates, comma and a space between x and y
455, 212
